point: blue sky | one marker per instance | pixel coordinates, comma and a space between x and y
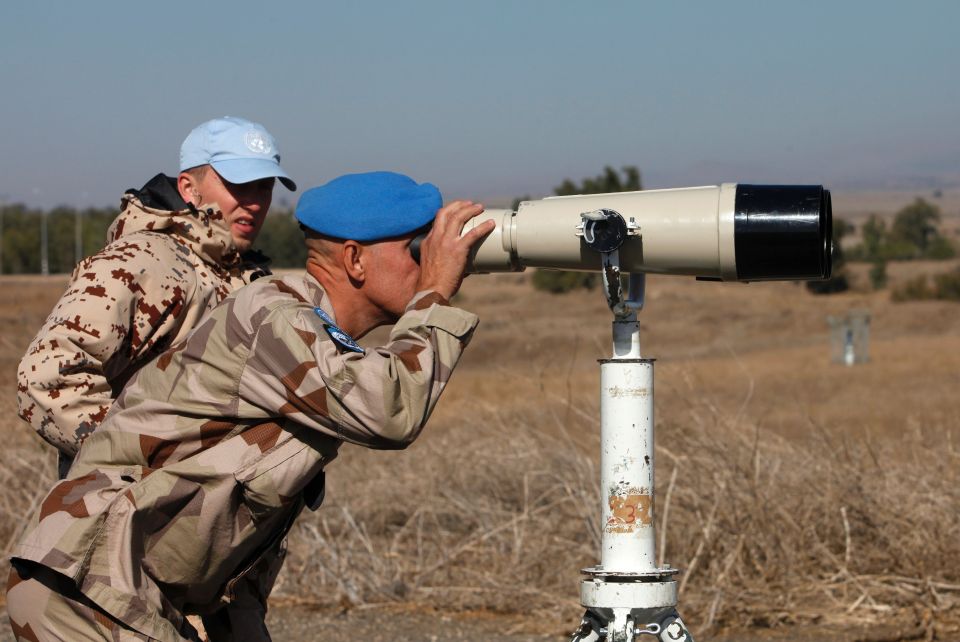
488, 100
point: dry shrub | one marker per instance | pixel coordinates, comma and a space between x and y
946, 287
485, 515
915, 289
821, 530
501, 512
27, 471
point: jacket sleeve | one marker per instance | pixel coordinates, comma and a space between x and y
116, 307
381, 398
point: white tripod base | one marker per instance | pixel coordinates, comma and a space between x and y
613, 615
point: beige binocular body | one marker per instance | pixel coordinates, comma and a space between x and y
730, 232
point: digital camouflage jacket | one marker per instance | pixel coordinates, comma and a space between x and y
161, 270
210, 452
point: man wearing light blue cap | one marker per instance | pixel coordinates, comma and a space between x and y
239, 150
179, 246
215, 448
245, 163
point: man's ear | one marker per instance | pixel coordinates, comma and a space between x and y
189, 189
353, 260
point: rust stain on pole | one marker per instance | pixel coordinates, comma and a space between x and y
629, 511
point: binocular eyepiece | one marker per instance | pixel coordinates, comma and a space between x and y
729, 232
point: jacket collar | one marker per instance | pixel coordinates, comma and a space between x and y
157, 207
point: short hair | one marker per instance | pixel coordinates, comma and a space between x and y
319, 246
197, 172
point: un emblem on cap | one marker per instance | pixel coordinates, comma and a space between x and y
257, 142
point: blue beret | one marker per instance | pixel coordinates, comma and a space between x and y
369, 207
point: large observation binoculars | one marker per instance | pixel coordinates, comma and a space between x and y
729, 232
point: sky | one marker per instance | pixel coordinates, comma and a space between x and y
488, 100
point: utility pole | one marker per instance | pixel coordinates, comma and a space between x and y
78, 237
44, 262
3, 210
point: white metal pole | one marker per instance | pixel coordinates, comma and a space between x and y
627, 595
626, 459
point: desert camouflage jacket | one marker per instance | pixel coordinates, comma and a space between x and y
160, 271
211, 451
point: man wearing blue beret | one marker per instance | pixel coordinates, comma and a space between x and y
211, 451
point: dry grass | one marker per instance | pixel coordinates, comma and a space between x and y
502, 512
793, 490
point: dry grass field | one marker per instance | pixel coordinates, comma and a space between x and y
792, 492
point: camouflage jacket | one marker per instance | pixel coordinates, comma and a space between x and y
209, 453
160, 272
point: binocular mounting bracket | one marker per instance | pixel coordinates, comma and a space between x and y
604, 231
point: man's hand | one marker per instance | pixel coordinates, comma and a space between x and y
444, 253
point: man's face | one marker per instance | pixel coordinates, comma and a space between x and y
244, 205
392, 275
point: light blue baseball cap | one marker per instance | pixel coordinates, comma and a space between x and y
240, 150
